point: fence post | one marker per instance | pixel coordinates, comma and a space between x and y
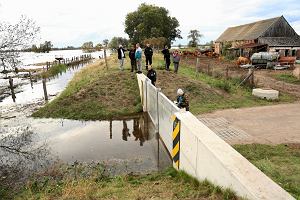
197, 66
11, 85
45, 89
158, 90
104, 52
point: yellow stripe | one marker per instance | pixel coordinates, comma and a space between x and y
175, 150
176, 131
177, 164
173, 117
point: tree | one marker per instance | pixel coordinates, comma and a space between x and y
105, 42
14, 38
116, 41
195, 36
88, 46
98, 47
157, 43
151, 21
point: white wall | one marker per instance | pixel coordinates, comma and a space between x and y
204, 155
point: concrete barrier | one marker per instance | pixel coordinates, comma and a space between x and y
265, 93
203, 154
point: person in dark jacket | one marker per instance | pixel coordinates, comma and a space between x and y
148, 54
151, 74
121, 56
166, 53
132, 58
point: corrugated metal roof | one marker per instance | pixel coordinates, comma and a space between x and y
247, 31
280, 41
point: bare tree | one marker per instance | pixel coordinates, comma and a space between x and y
15, 37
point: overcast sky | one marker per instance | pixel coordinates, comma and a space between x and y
66, 22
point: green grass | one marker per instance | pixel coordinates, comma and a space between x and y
281, 163
288, 78
94, 94
92, 183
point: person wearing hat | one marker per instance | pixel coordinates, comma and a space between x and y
182, 100
121, 56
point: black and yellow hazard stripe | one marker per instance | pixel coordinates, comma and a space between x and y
176, 141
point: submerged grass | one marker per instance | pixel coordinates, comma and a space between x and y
168, 184
281, 163
54, 70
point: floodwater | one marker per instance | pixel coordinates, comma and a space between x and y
30, 92
28, 59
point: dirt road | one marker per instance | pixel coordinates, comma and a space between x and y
268, 125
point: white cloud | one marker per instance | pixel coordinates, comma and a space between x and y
67, 22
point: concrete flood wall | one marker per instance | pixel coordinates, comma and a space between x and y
202, 153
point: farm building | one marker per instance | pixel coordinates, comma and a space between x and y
273, 35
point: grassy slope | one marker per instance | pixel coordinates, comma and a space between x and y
95, 93
168, 184
281, 163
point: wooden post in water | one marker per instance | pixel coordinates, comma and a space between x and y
11, 85
30, 79
45, 89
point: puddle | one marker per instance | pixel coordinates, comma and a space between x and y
130, 145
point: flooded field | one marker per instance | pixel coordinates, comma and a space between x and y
31, 91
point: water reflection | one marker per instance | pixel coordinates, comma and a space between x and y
124, 146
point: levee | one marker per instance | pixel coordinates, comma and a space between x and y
200, 152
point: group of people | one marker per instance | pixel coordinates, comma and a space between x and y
135, 55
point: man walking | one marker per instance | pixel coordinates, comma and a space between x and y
121, 56
148, 54
166, 53
138, 57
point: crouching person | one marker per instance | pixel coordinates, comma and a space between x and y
151, 74
182, 100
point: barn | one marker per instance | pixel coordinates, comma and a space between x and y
272, 35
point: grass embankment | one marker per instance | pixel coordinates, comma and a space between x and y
281, 163
94, 184
96, 93
288, 78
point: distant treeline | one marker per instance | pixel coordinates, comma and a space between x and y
46, 47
